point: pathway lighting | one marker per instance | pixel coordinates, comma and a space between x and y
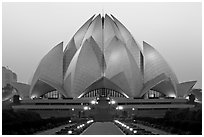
69, 132
135, 131
86, 108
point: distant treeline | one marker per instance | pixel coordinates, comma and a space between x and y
181, 121
26, 122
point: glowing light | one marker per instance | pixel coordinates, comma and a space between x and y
86, 108
133, 108
32, 97
70, 121
119, 107
72, 109
172, 95
131, 129
135, 131
89, 121
187, 97
93, 102
112, 102
69, 132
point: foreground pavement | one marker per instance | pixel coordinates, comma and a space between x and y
102, 128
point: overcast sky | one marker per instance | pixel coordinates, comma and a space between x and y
30, 30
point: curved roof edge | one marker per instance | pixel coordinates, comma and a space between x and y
90, 70
150, 84
79, 35
103, 82
155, 64
50, 68
184, 88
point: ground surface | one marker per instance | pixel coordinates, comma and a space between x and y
102, 128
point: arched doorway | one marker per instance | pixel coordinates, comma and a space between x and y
103, 86
103, 91
102, 110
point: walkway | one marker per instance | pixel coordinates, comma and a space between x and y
102, 128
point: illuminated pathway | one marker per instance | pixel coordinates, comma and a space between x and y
102, 128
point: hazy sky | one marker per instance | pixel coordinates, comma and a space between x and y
30, 30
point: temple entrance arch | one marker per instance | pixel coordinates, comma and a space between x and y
103, 92
105, 87
153, 94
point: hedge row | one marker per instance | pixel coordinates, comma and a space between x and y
25, 122
176, 121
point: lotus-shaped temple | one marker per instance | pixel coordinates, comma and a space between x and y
103, 58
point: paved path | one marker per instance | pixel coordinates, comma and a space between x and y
154, 130
102, 128
51, 131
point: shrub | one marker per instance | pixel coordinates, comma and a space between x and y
25, 122
180, 121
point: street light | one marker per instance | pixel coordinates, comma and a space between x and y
112, 102
86, 108
135, 131
119, 107
93, 102
69, 132
33, 97
133, 108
